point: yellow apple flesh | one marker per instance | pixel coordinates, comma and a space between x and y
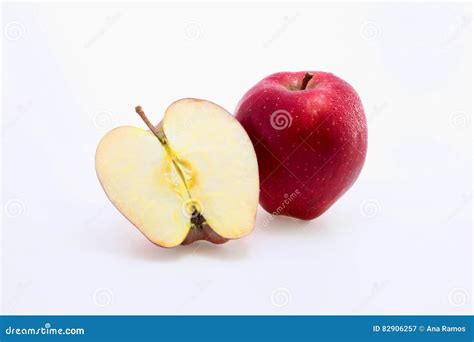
194, 177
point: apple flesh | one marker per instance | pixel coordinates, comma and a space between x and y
310, 134
193, 177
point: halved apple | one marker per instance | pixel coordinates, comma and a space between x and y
193, 177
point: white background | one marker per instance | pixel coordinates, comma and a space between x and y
399, 242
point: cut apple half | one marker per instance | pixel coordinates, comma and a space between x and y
192, 177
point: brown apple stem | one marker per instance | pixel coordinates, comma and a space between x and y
162, 138
306, 79
159, 134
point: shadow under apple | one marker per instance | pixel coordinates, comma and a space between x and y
289, 227
145, 250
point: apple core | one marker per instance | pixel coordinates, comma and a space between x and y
192, 177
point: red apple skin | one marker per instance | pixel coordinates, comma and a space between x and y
310, 143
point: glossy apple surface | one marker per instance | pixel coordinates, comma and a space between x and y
310, 134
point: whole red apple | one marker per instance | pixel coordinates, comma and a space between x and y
310, 135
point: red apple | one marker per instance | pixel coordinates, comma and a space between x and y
310, 135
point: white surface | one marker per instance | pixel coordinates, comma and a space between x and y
399, 242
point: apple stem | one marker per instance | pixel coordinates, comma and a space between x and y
162, 138
306, 79
152, 128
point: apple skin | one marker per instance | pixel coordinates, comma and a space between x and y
310, 143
